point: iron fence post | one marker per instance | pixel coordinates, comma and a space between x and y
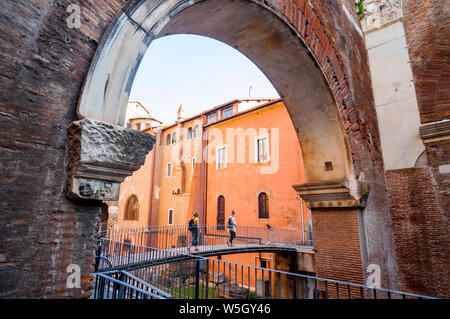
197, 278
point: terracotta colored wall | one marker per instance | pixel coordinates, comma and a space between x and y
138, 184
283, 204
241, 183
183, 176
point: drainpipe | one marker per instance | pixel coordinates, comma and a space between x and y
301, 217
303, 224
205, 174
150, 205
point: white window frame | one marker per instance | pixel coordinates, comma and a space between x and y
223, 147
167, 169
168, 216
227, 109
260, 137
211, 115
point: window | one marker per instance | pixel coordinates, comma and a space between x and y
174, 138
221, 157
263, 205
169, 170
212, 118
264, 263
170, 217
168, 139
196, 131
132, 208
262, 149
221, 213
138, 126
193, 165
189, 133
227, 112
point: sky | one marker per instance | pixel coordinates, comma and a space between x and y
197, 72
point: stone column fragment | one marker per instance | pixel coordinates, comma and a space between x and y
101, 155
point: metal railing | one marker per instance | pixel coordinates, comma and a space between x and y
123, 285
210, 237
175, 274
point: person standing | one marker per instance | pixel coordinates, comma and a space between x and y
193, 228
231, 224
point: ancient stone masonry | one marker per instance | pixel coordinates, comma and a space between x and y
342, 193
409, 55
380, 12
427, 30
101, 155
45, 65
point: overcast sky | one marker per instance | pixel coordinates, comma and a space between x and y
197, 72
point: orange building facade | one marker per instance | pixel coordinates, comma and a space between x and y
243, 155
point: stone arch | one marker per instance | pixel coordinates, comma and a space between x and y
289, 43
255, 29
41, 85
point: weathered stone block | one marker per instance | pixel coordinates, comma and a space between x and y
101, 155
342, 193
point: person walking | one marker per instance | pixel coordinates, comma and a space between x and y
193, 228
231, 224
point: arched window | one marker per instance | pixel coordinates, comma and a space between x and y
263, 206
168, 139
132, 208
189, 133
221, 212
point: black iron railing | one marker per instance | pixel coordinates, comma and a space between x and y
123, 285
168, 273
210, 237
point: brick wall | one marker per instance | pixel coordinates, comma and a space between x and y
44, 64
427, 29
437, 156
421, 231
419, 196
337, 245
43, 67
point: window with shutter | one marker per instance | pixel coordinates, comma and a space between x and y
221, 213
263, 206
132, 208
